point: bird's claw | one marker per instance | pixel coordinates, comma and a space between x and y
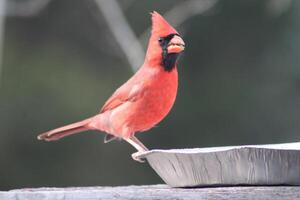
137, 157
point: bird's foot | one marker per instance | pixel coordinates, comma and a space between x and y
137, 156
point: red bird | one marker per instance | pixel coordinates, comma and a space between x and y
144, 100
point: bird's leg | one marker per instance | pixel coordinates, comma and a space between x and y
138, 145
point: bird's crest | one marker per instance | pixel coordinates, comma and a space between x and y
160, 26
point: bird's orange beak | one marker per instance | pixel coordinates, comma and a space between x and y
176, 45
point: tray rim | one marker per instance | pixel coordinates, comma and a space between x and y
280, 146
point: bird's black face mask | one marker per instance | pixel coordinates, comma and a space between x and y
169, 59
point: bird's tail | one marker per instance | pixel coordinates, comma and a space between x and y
67, 130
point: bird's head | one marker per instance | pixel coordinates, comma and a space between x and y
165, 44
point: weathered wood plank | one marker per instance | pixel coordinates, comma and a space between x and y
157, 192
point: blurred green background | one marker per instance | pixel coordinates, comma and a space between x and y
239, 84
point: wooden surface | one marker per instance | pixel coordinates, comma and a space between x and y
154, 192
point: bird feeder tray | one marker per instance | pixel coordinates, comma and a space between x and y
273, 164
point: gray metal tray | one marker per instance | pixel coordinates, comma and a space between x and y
273, 164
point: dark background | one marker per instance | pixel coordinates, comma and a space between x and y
239, 84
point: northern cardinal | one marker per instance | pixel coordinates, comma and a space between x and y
144, 100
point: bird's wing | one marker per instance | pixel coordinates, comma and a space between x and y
127, 92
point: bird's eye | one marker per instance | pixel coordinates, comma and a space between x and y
160, 40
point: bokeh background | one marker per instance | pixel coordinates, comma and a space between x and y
61, 59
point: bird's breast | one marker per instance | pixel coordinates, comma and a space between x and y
156, 102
